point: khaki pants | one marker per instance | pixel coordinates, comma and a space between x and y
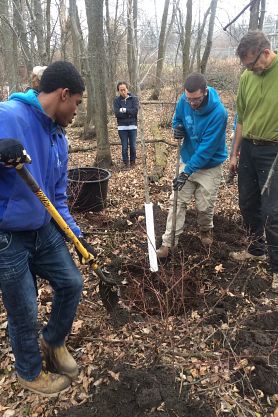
203, 185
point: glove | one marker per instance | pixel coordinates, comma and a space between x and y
179, 132
179, 181
122, 110
89, 248
12, 152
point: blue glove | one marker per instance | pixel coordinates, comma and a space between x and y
179, 181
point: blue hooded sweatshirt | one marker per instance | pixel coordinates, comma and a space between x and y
23, 118
204, 145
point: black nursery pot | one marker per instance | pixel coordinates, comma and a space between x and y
87, 189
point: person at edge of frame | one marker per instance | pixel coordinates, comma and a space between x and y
257, 139
33, 123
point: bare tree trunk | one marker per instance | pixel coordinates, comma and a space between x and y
94, 11
63, 28
161, 52
197, 46
20, 28
262, 15
132, 44
113, 50
7, 46
205, 57
254, 15
39, 29
48, 30
79, 57
187, 40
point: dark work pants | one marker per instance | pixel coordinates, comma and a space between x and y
260, 213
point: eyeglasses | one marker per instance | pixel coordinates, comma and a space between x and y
251, 65
195, 100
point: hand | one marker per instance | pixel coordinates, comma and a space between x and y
89, 248
179, 181
12, 153
179, 132
122, 110
233, 164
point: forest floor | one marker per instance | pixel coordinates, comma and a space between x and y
197, 339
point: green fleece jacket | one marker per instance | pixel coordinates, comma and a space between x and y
257, 103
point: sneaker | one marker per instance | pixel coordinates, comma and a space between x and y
58, 359
47, 383
274, 285
162, 252
246, 256
132, 163
206, 237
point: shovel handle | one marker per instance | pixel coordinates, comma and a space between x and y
89, 258
175, 201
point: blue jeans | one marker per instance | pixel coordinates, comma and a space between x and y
260, 213
128, 137
44, 253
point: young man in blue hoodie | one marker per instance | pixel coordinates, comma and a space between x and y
30, 243
200, 120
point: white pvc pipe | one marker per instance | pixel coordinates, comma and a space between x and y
151, 237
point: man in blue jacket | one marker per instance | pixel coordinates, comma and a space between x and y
200, 120
125, 107
30, 243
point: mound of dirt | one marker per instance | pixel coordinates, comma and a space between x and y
150, 392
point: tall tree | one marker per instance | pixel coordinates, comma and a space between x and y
205, 57
198, 42
94, 11
187, 40
7, 46
81, 61
132, 43
256, 19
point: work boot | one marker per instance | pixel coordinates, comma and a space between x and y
206, 237
48, 384
124, 166
162, 252
58, 359
274, 285
246, 256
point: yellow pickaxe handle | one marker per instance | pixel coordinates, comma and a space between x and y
89, 258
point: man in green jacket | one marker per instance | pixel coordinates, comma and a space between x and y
257, 138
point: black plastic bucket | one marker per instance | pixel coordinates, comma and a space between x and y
87, 188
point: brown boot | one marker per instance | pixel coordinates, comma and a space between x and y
243, 256
59, 359
274, 285
206, 237
162, 252
46, 383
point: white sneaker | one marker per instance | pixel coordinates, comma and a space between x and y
245, 256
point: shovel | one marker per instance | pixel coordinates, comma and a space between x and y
107, 285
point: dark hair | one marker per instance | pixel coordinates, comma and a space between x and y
195, 82
120, 83
61, 74
254, 42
